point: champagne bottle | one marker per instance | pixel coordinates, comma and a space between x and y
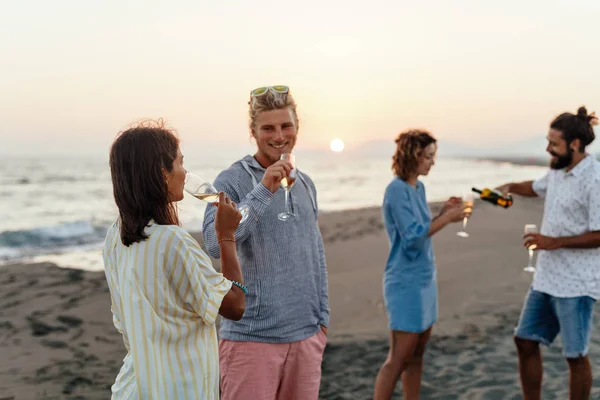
494, 197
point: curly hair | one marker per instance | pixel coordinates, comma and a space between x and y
137, 158
409, 150
271, 101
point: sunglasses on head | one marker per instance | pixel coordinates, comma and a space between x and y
263, 90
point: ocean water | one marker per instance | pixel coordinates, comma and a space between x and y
58, 209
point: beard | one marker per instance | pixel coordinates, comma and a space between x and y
562, 161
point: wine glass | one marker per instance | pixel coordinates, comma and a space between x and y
530, 228
203, 190
468, 200
287, 183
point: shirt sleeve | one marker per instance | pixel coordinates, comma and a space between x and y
109, 257
257, 200
204, 288
594, 206
324, 316
413, 232
540, 185
324, 292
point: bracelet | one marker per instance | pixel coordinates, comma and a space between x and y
244, 288
226, 240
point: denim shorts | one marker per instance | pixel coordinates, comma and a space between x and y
544, 316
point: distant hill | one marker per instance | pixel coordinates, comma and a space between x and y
533, 148
385, 148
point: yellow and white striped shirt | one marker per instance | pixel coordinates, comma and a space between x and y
165, 300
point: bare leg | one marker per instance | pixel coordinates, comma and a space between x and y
530, 368
402, 348
411, 376
580, 378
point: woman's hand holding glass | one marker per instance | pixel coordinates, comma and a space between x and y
227, 218
454, 212
452, 202
205, 191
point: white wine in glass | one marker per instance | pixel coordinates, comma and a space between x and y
468, 200
205, 191
530, 228
287, 183
208, 197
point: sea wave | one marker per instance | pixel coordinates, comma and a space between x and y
43, 240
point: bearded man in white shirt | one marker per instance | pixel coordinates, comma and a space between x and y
566, 283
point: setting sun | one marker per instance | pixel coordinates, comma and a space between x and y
336, 145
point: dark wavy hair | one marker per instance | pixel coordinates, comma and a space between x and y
576, 126
137, 159
409, 150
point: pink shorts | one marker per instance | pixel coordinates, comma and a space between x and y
271, 371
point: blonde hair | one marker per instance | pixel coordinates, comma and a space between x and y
271, 101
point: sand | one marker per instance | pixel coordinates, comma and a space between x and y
57, 340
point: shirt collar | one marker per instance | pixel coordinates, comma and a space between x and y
253, 162
580, 167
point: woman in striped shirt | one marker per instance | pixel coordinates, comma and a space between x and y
165, 293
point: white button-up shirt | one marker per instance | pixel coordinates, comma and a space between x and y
571, 208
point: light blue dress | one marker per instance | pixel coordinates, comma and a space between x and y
409, 283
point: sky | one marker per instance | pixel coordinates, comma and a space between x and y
74, 73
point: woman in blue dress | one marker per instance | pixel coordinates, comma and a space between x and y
410, 286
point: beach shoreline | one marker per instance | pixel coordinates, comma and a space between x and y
72, 235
